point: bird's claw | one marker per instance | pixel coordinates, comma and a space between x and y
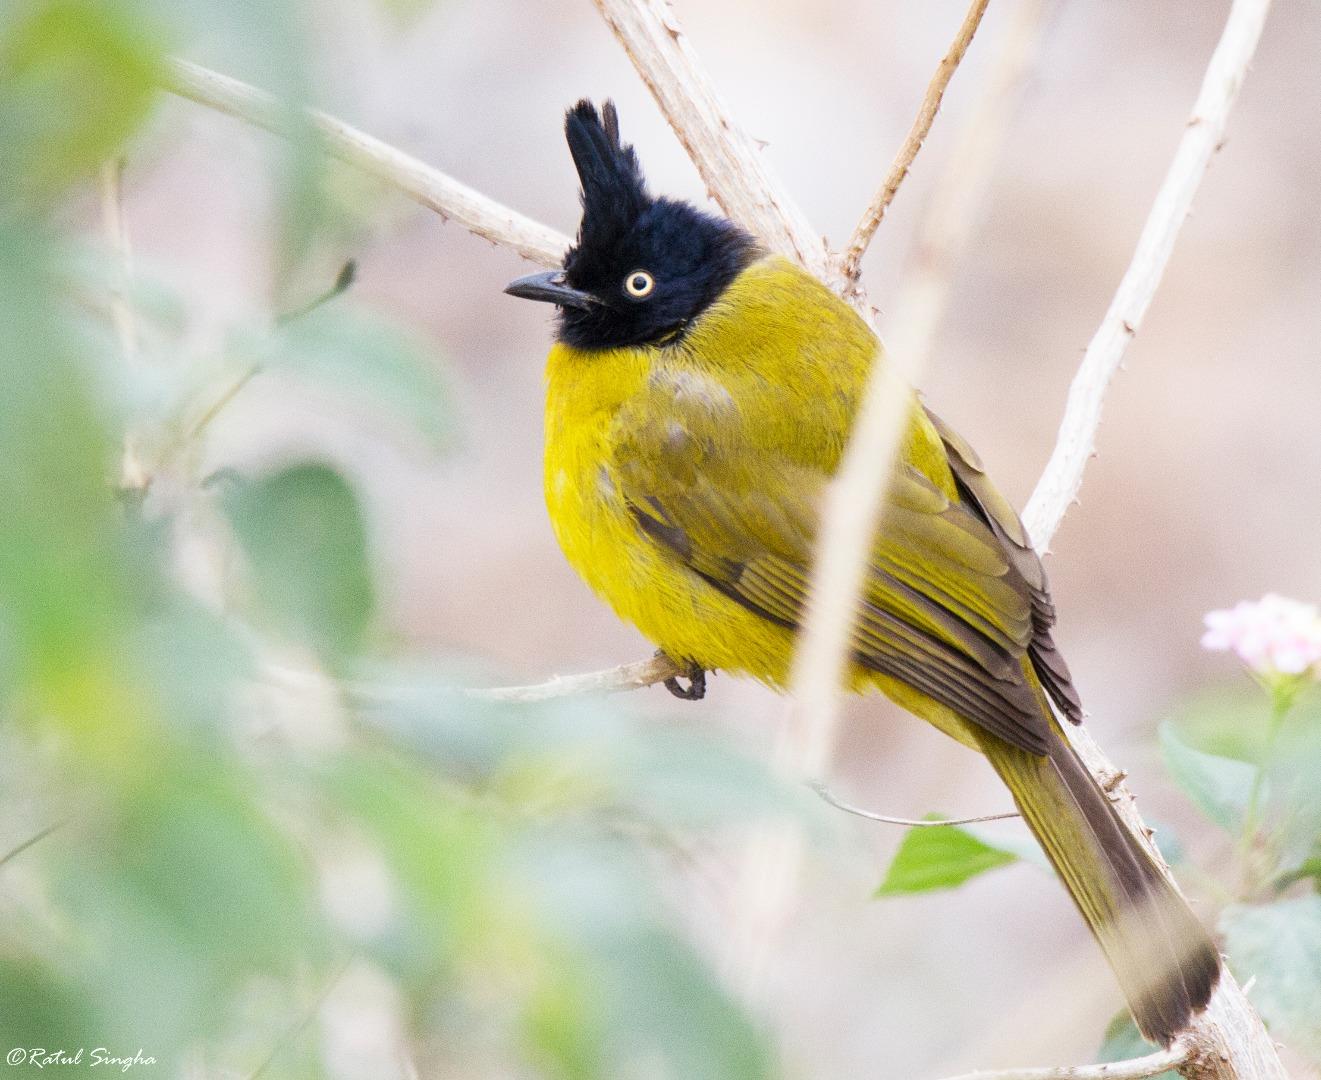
696, 688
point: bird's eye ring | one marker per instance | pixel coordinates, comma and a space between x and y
639, 284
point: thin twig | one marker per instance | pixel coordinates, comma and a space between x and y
947, 222
134, 478
830, 797
1203, 135
432, 188
1228, 1040
343, 280
36, 838
301, 1022
917, 134
222, 402
1134, 1069
116, 232
774, 858
728, 160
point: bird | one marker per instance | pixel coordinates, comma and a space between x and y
699, 395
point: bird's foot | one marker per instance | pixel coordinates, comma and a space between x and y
696, 688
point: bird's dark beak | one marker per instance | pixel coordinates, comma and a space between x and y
551, 288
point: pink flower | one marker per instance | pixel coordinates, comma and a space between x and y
1274, 636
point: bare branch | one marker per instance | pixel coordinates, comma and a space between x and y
432, 188
1134, 1069
728, 160
870, 815
1202, 137
611, 681
1228, 1041
917, 134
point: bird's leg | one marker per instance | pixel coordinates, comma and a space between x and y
696, 688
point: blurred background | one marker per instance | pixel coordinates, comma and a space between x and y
1204, 489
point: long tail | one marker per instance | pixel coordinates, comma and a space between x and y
1164, 960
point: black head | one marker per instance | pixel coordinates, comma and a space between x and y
642, 267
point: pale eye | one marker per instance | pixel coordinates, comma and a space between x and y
639, 284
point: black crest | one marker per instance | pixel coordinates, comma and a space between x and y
614, 193
690, 256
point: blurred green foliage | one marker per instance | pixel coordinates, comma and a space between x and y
1251, 763
197, 860
202, 860
1279, 946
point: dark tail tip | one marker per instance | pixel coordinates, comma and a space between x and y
1166, 1007
1164, 961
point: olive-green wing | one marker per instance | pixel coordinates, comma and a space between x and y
994, 509
946, 610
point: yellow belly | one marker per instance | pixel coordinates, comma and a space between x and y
673, 607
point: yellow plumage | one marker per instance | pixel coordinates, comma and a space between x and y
598, 403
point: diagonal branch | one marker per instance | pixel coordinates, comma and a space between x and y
917, 134
1203, 135
432, 188
728, 160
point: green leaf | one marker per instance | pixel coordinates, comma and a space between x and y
653, 999
1218, 786
1280, 946
76, 77
1294, 806
182, 892
365, 359
1231, 721
1310, 867
940, 858
1123, 1042
306, 545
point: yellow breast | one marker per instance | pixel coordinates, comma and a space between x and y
818, 358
